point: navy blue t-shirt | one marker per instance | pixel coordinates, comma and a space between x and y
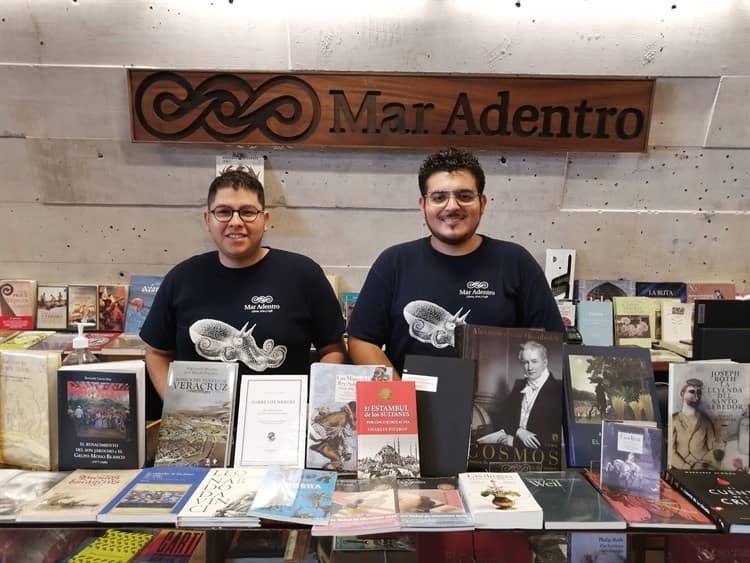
414, 296
264, 316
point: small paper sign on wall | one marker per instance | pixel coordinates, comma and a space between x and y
248, 162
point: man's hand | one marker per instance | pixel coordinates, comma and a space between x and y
499, 437
529, 439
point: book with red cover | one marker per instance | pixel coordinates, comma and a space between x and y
17, 304
173, 546
387, 435
671, 510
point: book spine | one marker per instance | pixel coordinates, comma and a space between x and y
677, 484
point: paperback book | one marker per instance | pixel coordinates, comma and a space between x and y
52, 307
662, 290
605, 290
126, 344
83, 307
174, 546
500, 501
595, 323
631, 458
142, 292
635, 321
23, 340
332, 424
677, 322
113, 546
17, 304
432, 504
113, 300
584, 547
517, 412
696, 291
197, 419
23, 488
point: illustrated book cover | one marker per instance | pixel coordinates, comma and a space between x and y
17, 304
635, 321
710, 290
174, 546
197, 418
432, 504
585, 547
52, 307
500, 501
604, 383
272, 421
724, 496
445, 394
291, 494
604, 290
708, 423
28, 418
83, 307
156, 494
387, 433
570, 502
517, 412
101, 415
23, 488
23, 340
113, 300
596, 323
671, 510
362, 506
223, 498
141, 296
77, 498
631, 458
332, 424
716, 548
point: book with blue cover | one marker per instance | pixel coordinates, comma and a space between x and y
595, 323
662, 290
141, 296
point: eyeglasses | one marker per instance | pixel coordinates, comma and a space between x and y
225, 214
462, 197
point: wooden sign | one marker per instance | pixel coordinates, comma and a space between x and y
390, 110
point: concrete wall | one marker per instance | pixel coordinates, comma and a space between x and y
79, 202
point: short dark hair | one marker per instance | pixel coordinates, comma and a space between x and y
237, 180
451, 160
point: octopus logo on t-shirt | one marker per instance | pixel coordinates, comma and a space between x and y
431, 324
217, 340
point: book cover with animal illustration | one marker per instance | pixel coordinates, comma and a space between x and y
631, 458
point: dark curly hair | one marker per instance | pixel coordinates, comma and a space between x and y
449, 161
237, 179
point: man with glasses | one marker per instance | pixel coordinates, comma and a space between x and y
246, 303
417, 292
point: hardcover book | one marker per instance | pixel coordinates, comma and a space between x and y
595, 323
597, 547
28, 419
710, 290
156, 494
432, 504
142, 292
52, 307
670, 510
196, 422
559, 269
662, 290
362, 506
271, 422
83, 306
445, 392
23, 488
605, 290
101, 415
223, 498
113, 300
332, 424
709, 424
601, 383
301, 496
500, 501
570, 502
174, 546
676, 322
635, 321
77, 498
387, 436
517, 413
25, 339
724, 496
631, 458
17, 304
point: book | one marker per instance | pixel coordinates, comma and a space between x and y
156, 494
332, 425
271, 423
500, 501
445, 393
198, 414
28, 419
17, 304
724, 496
658, 304
141, 296
23, 488
174, 546
291, 494
52, 307
507, 433
596, 323
432, 504
634, 321
25, 339
286, 545
445, 546
603, 382
682, 349
361, 507
670, 511
570, 502
605, 290
113, 300
710, 290
83, 306
662, 290
659, 354
708, 422
548, 546
585, 547
387, 429
7, 334
698, 547
567, 308
78, 497
559, 269
63, 341
348, 301
126, 344
223, 498
101, 420
114, 546
631, 458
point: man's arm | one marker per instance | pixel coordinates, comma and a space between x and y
333, 353
157, 365
363, 352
